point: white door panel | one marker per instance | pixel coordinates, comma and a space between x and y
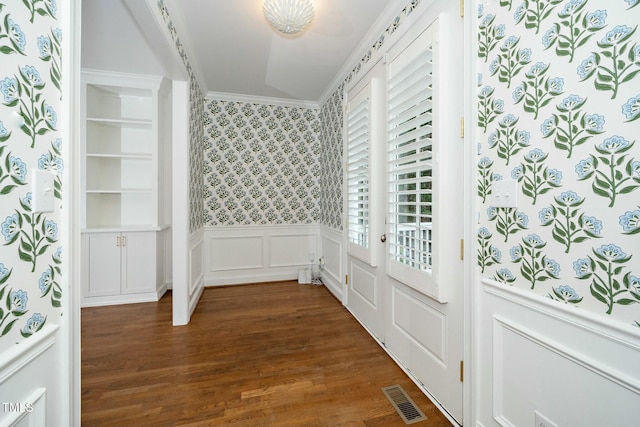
420, 324
365, 294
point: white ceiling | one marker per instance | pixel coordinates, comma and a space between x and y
232, 48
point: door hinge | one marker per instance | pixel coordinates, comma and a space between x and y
462, 371
462, 8
461, 127
462, 249
346, 279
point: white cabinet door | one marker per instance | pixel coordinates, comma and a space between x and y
138, 262
103, 264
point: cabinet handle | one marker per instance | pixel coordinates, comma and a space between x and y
118, 241
123, 241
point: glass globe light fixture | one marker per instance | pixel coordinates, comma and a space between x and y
288, 16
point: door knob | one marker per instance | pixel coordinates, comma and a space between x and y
383, 238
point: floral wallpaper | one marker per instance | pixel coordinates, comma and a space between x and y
196, 128
196, 158
558, 108
30, 139
262, 164
331, 173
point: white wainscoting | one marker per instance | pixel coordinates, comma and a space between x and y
333, 271
196, 269
31, 375
570, 366
236, 255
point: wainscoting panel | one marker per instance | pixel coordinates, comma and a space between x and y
363, 283
333, 270
568, 365
288, 250
196, 269
26, 375
237, 255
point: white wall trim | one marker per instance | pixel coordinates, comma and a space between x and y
22, 354
332, 249
502, 324
558, 350
258, 253
196, 271
609, 329
252, 99
36, 416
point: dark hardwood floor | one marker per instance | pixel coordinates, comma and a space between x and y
273, 354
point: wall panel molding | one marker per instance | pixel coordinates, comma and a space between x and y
250, 254
18, 357
332, 250
540, 355
196, 270
27, 380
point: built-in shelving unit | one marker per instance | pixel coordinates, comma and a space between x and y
122, 151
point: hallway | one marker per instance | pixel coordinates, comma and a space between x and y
267, 354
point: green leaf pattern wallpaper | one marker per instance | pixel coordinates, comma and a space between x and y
331, 119
558, 95
30, 102
262, 164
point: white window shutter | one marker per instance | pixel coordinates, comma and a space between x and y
415, 91
360, 184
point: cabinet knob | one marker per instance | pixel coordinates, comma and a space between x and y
123, 241
118, 241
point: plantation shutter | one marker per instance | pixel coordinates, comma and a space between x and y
359, 187
412, 149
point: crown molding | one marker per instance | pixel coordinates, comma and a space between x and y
235, 97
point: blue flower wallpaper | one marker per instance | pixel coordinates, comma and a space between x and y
558, 107
30, 102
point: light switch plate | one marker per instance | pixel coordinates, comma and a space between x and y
504, 194
42, 198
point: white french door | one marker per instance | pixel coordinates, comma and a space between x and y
364, 136
403, 203
424, 295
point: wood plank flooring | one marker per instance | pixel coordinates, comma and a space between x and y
272, 354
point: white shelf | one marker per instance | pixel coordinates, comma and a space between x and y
123, 141
137, 123
132, 156
121, 150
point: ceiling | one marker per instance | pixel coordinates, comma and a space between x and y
231, 47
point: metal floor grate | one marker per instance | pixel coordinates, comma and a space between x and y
405, 407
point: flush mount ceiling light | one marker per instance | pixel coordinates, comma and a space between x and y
288, 16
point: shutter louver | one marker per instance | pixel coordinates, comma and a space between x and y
410, 122
358, 159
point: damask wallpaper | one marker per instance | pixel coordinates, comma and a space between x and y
262, 164
558, 109
30, 139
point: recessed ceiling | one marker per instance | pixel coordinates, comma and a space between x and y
234, 50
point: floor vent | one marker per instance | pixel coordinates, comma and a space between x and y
405, 407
